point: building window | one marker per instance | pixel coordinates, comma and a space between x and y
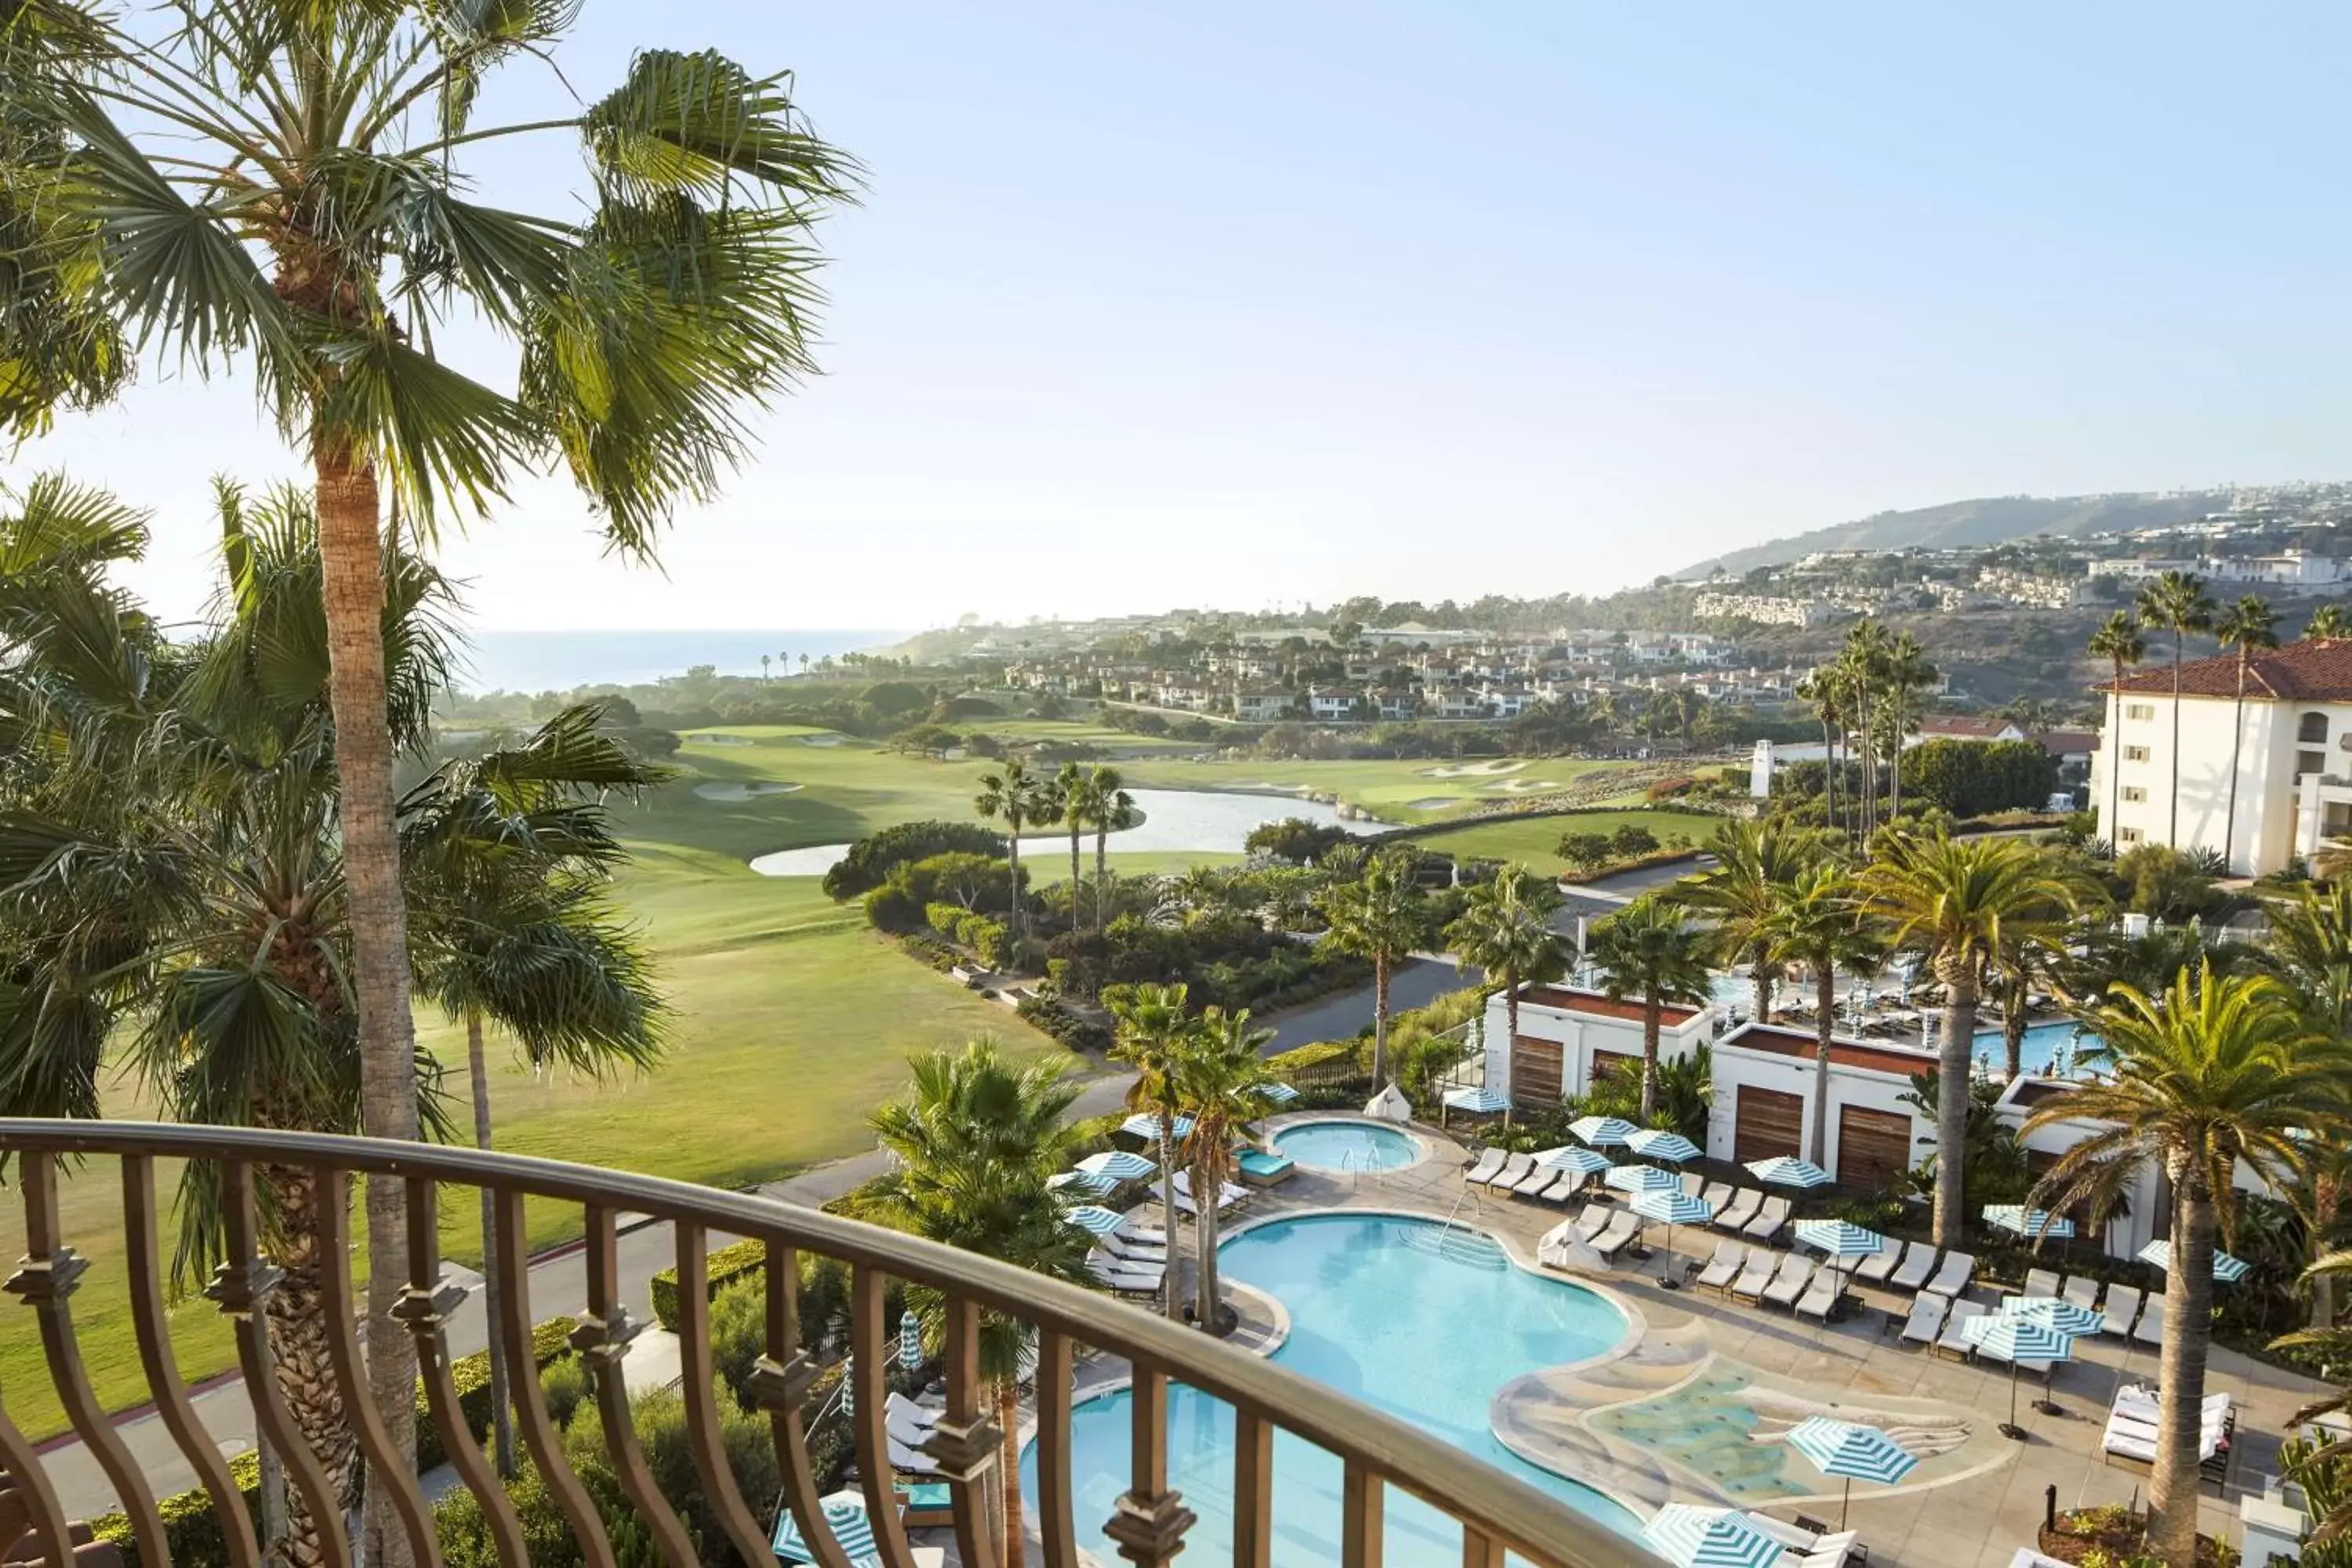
2134, 794
2312, 729
2310, 763
2139, 709
2135, 754
2128, 835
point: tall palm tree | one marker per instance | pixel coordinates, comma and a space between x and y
1861, 664
1071, 788
1381, 916
1819, 921
2028, 956
1023, 800
1505, 930
1649, 952
1756, 862
292, 192
2213, 1072
1824, 690
1956, 901
1150, 1033
2246, 626
2329, 624
1113, 812
1222, 1078
2175, 602
1908, 672
1092, 797
2118, 641
977, 1141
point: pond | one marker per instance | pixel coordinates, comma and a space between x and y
1203, 821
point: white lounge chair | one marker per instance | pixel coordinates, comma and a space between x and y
1831, 1550
1716, 1195
1795, 1537
1515, 1171
1796, 1272
1537, 1179
1744, 1204
1821, 1295
2040, 1284
1623, 1227
2122, 1311
1953, 1340
2149, 1329
908, 1423
1692, 1184
1879, 1264
2081, 1291
911, 1461
1926, 1322
1917, 1263
1768, 1219
1755, 1274
1122, 1280
1484, 1169
1134, 1254
1567, 1186
1724, 1266
1592, 1220
1953, 1277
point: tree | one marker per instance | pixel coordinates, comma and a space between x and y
976, 1141
1648, 951
2213, 1072
1022, 800
1583, 850
2246, 626
1150, 1034
1381, 916
1756, 862
1505, 930
1818, 922
1633, 840
1956, 901
1222, 1077
2026, 956
2175, 602
2329, 624
2118, 641
1099, 799
1908, 672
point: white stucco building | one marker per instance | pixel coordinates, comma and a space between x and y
1566, 1032
2293, 744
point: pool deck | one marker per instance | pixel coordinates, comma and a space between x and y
1975, 1504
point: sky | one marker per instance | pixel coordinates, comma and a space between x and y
1248, 304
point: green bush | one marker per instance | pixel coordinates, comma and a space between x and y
192, 1530
550, 1343
937, 954
943, 917
722, 1267
987, 937
1056, 1018
892, 906
871, 858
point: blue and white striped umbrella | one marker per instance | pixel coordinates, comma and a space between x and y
1278, 1093
1568, 1157
1654, 1144
1119, 1165
1081, 1181
845, 1515
1691, 1537
1483, 1099
910, 1341
1840, 1238
1850, 1449
2065, 1316
2018, 1220
1604, 1132
1641, 1179
2013, 1337
1096, 1219
1783, 1170
1671, 1205
2229, 1270
1145, 1124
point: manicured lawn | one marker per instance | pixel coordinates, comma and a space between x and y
1400, 792
1530, 840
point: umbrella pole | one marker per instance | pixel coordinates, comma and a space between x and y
2009, 1428
1846, 1507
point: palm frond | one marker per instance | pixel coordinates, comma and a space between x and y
696, 122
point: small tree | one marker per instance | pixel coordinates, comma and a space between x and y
1650, 952
1381, 916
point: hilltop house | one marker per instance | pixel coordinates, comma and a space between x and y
1969, 727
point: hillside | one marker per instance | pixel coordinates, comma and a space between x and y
1990, 520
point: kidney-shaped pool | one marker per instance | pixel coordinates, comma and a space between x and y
1411, 1318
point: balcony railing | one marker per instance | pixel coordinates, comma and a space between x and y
1498, 1513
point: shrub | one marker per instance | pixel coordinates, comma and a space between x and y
893, 906
1633, 839
944, 917
721, 1268
1055, 1017
987, 937
1584, 849
870, 859
550, 1342
1667, 789
930, 950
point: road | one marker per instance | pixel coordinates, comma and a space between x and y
1418, 982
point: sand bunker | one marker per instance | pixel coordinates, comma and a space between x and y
827, 739
1474, 770
1434, 803
721, 739
752, 790
1521, 786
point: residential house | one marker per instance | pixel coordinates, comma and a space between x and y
1332, 702
1264, 704
1393, 704
1182, 691
1969, 727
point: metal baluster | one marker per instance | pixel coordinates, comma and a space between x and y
241, 1286
1360, 1517
23, 1465
1253, 1490
870, 1354
1055, 1521
385, 1466
539, 1433
966, 1443
46, 1281
156, 1358
424, 1306
602, 1338
703, 1434
1151, 1519
781, 1381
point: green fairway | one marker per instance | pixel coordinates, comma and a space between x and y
1531, 841
1402, 791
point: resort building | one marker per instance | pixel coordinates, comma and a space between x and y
1568, 1034
1763, 1076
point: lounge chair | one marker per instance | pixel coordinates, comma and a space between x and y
1755, 1274
2041, 1283
1768, 1219
1880, 1263
2081, 1291
1692, 1184
2122, 1309
1831, 1550
1796, 1273
1537, 1178
911, 1461
2149, 1329
1133, 1253
1926, 1322
2131, 1432
1566, 1186
906, 1422
1821, 1295
1953, 1278
1917, 1263
1488, 1164
1795, 1537
1125, 1282
1592, 1221
1515, 1171
1716, 1195
1953, 1341
1724, 1266
1744, 1204
1623, 1227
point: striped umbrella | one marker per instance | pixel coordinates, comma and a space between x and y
1604, 1132
910, 1341
1652, 1144
848, 1386
1482, 1099
2018, 1220
1672, 1207
1838, 1239
1096, 1220
1145, 1124
1119, 1165
2065, 1316
1086, 1182
845, 1516
1783, 1170
1278, 1093
1640, 1179
2013, 1338
1850, 1449
2229, 1270
1568, 1157
1691, 1537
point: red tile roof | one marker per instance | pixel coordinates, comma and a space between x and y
2070, 743
2299, 672
1572, 999
1961, 726
1902, 1061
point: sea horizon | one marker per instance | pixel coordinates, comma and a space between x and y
535, 661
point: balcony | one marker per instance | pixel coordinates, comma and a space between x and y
1497, 1514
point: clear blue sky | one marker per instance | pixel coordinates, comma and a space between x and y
1245, 303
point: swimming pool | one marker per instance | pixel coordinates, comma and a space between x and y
1348, 1146
1400, 1313
2050, 1049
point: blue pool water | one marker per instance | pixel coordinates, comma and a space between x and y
1348, 1146
2051, 1048
1391, 1312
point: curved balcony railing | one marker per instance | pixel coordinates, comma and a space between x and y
1498, 1513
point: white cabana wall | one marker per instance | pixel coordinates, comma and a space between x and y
1579, 1024
1870, 1075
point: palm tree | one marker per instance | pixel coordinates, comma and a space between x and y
2119, 642
977, 1141
1756, 862
1956, 901
2026, 957
2248, 625
2175, 602
1648, 951
1112, 811
1505, 930
1825, 689
1819, 921
1071, 787
1908, 671
2327, 624
1221, 1081
1381, 916
1151, 1033
1861, 665
296, 189
2213, 1072
1023, 800
1092, 797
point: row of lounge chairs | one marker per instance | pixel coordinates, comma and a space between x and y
1606, 1230
1230, 1194
1748, 1211
1758, 1274
1915, 1267
2130, 1436
1519, 1175
1130, 1262
2124, 1317
1812, 1548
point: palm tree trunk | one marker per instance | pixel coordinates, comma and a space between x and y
2172, 1485
1761, 976
2325, 1195
2012, 1028
1168, 1209
1102, 870
1008, 1467
1894, 768
351, 569
2113, 741
1207, 1179
2172, 834
1379, 1021
1076, 881
1824, 1015
2237, 747
1511, 1022
1959, 980
301, 1362
477, 1070
1652, 1010
1013, 864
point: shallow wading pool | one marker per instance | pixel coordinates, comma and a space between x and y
1348, 1146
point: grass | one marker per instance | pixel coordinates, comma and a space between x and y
1532, 841
1413, 792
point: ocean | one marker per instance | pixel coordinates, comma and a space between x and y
558, 661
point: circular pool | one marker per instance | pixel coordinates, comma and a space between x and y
1348, 1146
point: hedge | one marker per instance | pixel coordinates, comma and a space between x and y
550, 1341
725, 1266
1055, 1017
